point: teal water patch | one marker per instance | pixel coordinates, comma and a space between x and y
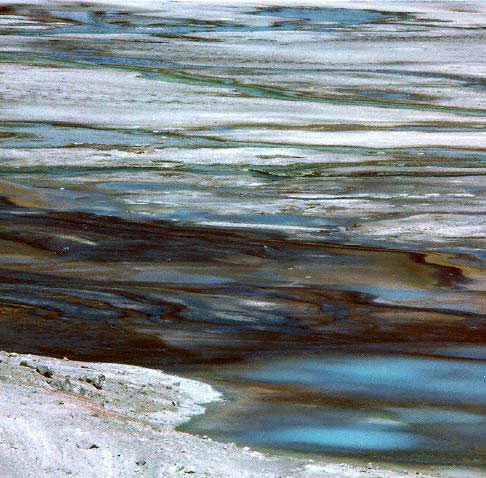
50, 135
385, 293
381, 377
351, 438
395, 407
98, 22
37, 134
329, 16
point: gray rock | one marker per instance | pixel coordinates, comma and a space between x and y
97, 382
67, 386
87, 445
63, 386
25, 363
45, 371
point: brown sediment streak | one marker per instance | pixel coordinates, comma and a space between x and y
19, 195
466, 265
448, 275
72, 234
105, 288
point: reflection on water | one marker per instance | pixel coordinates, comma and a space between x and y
356, 438
409, 408
425, 380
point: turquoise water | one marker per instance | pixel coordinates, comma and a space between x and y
426, 380
329, 16
403, 408
360, 438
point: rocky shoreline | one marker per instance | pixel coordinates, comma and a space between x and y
64, 418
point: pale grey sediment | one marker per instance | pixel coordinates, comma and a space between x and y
379, 123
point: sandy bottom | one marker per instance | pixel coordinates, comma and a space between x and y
64, 418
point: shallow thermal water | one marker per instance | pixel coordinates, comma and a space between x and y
397, 407
286, 201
